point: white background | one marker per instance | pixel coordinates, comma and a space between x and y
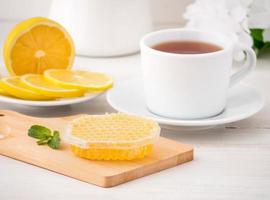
231, 161
164, 11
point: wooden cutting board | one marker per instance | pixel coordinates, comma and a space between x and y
167, 153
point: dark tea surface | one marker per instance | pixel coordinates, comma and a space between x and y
186, 47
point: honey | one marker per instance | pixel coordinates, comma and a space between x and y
112, 136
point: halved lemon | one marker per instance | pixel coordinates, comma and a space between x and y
38, 44
84, 80
38, 83
14, 87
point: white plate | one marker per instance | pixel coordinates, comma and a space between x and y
58, 102
243, 102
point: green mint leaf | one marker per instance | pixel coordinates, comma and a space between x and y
265, 46
54, 142
45, 136
39, 132
43, 141
258, 42
257, 34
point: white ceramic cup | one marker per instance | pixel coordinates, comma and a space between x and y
190, 86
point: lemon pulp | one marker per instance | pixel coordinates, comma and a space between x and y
78, 79
13, 86
37, 44
39, 84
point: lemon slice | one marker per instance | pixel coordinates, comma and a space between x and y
14, 87
38, 83
79, 79
2, 91
37, 44
112, 136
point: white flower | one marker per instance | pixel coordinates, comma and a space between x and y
266, 35
226, 16
259, 14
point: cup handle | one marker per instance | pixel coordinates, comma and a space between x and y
247, 67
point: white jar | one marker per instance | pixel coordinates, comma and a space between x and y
17, 10
104, 27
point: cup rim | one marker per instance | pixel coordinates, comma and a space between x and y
152, 34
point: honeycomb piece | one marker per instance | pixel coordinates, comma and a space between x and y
112, 136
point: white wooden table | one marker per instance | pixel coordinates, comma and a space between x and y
231, 161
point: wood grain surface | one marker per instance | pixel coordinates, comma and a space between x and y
18, 145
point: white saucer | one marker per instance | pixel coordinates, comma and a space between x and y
58, 102
243, 102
